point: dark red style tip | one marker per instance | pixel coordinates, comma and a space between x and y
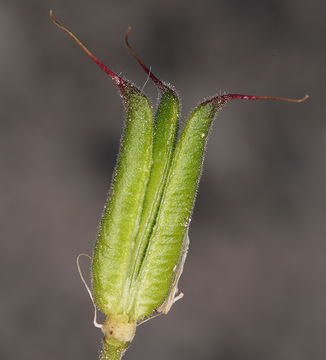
222, 99
253, 97
156, 81
116, 78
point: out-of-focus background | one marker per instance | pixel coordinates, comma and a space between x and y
254, 280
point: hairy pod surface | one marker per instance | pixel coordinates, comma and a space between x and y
114, 248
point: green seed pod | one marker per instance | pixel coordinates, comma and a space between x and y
143, 236
165, 131
121, 219
113, 253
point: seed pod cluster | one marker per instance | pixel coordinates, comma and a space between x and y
143, 236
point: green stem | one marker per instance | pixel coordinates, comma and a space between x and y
113, 349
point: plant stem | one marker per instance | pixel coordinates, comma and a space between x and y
113, 349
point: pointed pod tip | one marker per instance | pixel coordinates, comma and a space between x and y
303, 99
117, 79
127, 33
140, 62
162, 86
254, 97
223, 99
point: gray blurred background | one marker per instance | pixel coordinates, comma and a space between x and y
254, 280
